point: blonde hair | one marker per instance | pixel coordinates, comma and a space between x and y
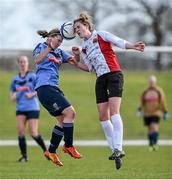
52, 33
85, 19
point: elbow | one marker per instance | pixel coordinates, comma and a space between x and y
37, 61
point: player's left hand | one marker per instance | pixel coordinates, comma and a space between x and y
165, 116
140, 46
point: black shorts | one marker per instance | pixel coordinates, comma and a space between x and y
109, 85
29, 114
151, 119
52, 98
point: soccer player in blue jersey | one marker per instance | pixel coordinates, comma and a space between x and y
48, 58
27, 107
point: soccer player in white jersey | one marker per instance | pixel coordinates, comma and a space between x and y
98, 56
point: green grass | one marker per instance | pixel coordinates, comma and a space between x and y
79, 89
138, 164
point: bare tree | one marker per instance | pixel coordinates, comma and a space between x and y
98, 9
148, 20
156, 12
143, 19
70, 9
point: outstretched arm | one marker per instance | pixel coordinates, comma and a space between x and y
139, 46
121, 43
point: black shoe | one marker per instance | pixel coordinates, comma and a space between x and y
23, 159
118, 163
116, 153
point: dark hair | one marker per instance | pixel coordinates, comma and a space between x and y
52, 33
85, 19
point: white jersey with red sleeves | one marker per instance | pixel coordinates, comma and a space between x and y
97, 52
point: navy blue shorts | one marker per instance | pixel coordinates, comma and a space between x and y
152, 119
109, 85
53, 99
29, 114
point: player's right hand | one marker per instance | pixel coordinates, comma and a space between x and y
76, 51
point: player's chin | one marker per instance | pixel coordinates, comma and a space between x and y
80, 35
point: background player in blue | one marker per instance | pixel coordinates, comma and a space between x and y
48, 58
27, 107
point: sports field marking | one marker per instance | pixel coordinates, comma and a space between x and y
91, 143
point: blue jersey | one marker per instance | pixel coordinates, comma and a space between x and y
23, 85
47, 72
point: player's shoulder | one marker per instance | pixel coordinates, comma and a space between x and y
100, 32
103, 32
159, 89
62, 52
40, 45
105, 35
15, 78
31, 73
37, 46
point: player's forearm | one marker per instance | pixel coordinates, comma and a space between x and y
82, 66
77, 58
42, 55
129, 45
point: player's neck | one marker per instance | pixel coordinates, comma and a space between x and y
23, 73
88, 35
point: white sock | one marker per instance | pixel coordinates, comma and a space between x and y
108, 131
117, 131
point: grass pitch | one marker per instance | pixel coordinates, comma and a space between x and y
139, 163
79, 89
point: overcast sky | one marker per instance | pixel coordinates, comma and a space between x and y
19, 21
